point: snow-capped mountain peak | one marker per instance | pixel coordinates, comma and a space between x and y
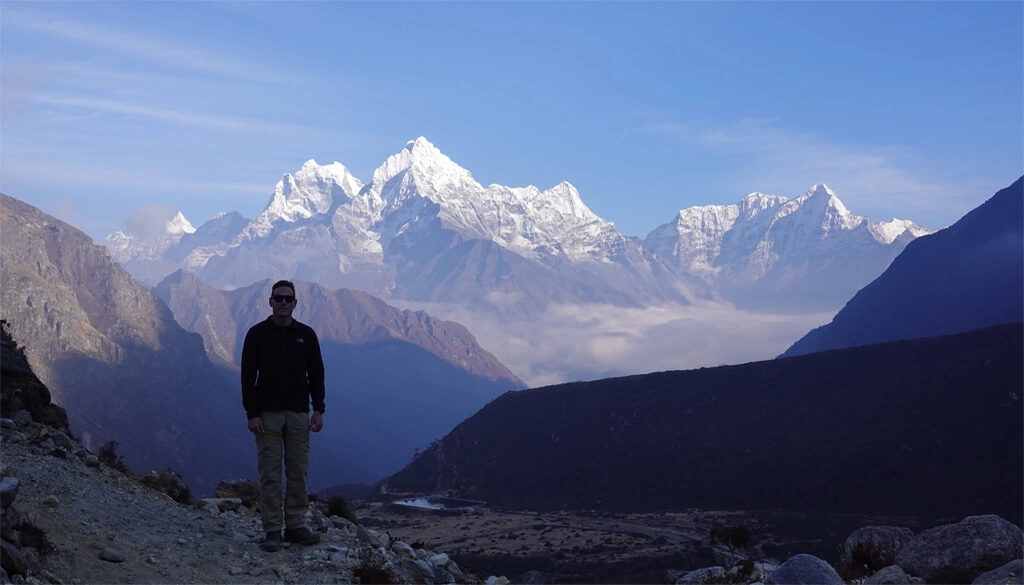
311, 192
179, 226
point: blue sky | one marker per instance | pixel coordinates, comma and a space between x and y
906, 109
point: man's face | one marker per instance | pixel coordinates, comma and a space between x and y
282, 301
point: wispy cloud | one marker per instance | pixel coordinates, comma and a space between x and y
787, 162
77, 174
184, 117
570, 342
139, 46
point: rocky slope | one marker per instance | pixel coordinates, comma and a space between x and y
927, 427
67, 518
967, 276
112, 355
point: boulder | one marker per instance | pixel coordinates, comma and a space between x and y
891, 575
804, 569
959, 553
1010, 573
869, 549
8, 490
245, 489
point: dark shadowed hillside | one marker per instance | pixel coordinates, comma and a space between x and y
929, 427
396, 380
967, 276
112, 355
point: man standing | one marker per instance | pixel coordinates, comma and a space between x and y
282, 368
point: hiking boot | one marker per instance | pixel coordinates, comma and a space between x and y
302, 536
272, 542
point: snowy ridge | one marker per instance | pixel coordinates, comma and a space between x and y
415, 231
748, 239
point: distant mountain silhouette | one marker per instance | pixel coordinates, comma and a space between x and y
967, 276
112, 355
396, 380
928, 427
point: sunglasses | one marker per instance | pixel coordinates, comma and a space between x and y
283, 298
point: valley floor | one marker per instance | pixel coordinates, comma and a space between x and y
595, 547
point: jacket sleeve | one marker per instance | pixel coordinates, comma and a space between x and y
315, 375
250, 368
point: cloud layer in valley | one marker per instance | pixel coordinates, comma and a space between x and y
591, 342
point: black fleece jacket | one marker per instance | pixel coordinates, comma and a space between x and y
282, 368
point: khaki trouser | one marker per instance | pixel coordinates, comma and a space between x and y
290, 429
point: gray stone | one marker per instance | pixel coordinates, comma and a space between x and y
959, 553
112, 555
456, 572
440, 560
402, 549
62, 440
12, 560
804, 569
874, 547
367, 536
8, 490
891, 575
22, 418
8, 423
51, 502
443, 577
1010, 573
701, 575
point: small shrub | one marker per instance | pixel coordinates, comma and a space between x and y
338, 506
109, 456
371, 568
168, 482
731, 536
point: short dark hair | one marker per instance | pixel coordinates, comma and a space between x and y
281, 283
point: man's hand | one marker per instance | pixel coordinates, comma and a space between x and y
256, 425
316, 422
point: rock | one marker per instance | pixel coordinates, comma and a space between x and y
529, 578
871, 548
804, 569
443, 577
456, 572
22, 418
366, 536
8, 423
51, 501
701, 575
12, 560
891, 575
343, 524
112, 555
1010, 573
8, 490
62, 440
958, 553
222, 504
492, 580
403, 550
440, 560
246, 490
92, 460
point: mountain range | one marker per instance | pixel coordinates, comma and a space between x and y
113, 355
423, 229
966, 276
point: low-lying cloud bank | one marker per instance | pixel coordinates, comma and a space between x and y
591, 342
